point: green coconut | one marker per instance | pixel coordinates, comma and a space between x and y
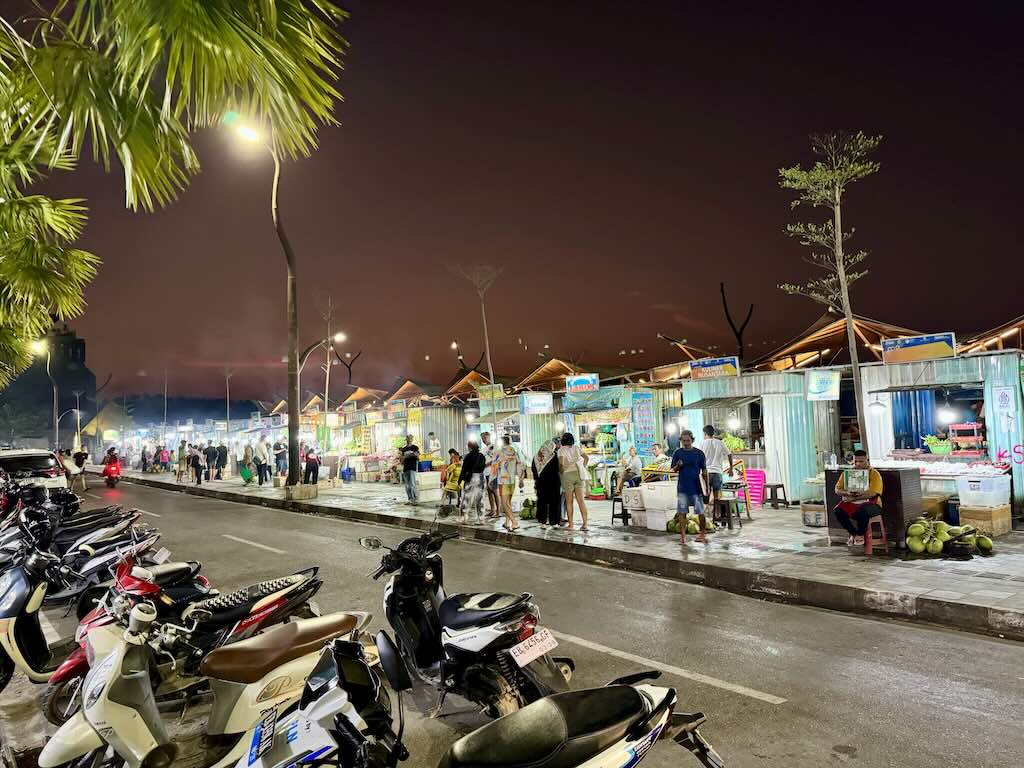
984, 543
915, 545
692, 528
934, 547
942, 536
970, 540
916, 529
954, 531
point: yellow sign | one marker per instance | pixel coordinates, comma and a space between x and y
914, 348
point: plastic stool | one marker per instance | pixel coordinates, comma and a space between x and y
869, 535
773, 490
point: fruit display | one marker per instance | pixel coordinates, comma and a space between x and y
935, 537
529, 511
692, 525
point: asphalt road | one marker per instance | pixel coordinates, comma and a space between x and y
781, 685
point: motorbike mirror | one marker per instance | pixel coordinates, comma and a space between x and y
391, 663
370, 542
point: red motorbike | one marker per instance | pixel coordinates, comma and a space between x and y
179, 594
111, 473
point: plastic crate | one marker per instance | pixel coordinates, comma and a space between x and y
983, 491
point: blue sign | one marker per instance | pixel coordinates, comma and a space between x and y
643, 422
914, 348
822, 385
531, 403
713, 367
582, 382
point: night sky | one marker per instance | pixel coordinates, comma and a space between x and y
620, 159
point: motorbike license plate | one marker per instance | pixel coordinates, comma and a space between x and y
161, 556
533, 647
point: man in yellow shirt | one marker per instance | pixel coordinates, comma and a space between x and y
857, 507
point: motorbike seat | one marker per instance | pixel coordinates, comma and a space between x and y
560, 731
170, 574
232, 606
249, 660
472, 609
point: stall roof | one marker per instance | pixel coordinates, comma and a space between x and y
997, 337
825, 343
708, 403
550, 375
408, 389
691, 352
361, 395
467, 380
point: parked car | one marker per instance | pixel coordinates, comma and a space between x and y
41, 466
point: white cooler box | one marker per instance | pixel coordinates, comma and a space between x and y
638, 518
428, 479
633, 499
660, 495
657, 519
430, 494
979, 491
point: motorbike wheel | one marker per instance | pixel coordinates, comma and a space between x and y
111, 482
6, 669
506, 702
88, 599
61, 700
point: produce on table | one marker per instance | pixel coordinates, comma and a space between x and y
733, 443
933, 537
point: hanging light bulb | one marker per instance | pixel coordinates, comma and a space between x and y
877, 404
671, 428
947, 415
733, 423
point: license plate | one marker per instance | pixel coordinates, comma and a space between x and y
533, 647
263, 735
161, 556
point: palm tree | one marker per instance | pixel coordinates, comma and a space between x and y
133, 79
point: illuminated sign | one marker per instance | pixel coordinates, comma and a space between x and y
914, 348
714, 367
582, 382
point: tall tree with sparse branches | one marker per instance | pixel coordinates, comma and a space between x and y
841, 159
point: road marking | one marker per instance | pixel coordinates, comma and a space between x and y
49, 631
151, 514
93, 495
253, 543
697, 677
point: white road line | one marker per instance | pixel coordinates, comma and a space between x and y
253, 543
697, 677
151, 514
93, 495
49, 631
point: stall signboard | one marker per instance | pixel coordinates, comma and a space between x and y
610, 416
603, 399
913, 348
414, 425
396, 407
714, 367
350, 407
490, 391
582, 382
822, 385
643, 422
535, 403
1005, 402
220, 426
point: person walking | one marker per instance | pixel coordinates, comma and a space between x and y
262, 458
471, 477
510, 472
572, 469
410, 470
222, 460
165, 458
210, 455
548, 485
691, 464
312, 475
280, 457
182, 462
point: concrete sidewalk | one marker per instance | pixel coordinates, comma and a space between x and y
774, 556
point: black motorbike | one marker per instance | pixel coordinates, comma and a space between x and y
486, 647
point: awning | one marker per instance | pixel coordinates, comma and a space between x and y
925, 387
708, 403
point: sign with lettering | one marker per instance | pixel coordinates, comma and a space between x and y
914, 348
582, 382
533, 403
643, 422
715, 367
822, 385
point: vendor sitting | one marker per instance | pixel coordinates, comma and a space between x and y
631, 469
857, 507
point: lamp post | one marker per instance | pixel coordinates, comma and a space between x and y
39, 347
69, 410
78, 418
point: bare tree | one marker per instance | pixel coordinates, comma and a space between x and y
482, 277
348, 361
737, 331
842, 160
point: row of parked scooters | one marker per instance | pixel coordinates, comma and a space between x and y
282, 684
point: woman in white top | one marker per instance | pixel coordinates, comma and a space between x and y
572, 471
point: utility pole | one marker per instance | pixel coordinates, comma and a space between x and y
328, 358
163, 428
228, 373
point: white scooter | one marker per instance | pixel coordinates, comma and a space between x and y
252, 682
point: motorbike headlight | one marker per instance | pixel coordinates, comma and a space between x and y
428, 574
94, 694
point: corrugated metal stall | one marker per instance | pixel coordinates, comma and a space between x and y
536, 428
664, 399
827, 433
996, 371
448, 423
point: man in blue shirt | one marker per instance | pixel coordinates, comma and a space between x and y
691, 465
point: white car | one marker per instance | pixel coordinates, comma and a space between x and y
38, 466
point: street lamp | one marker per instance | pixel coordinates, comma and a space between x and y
39, 347
69, 410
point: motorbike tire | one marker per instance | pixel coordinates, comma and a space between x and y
111, 482
506, 702
61, 700
6, 669
88, 599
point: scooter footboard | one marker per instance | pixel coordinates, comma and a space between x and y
75, 739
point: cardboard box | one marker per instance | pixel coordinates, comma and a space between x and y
814, 515
934, 507
992, 521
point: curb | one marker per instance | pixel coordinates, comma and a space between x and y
785, 589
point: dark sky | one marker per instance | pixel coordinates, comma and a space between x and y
619, 159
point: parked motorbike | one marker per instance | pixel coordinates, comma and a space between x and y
219, 620
252, 680
486, 646
111, 473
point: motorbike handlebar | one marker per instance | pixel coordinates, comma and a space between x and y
378, 573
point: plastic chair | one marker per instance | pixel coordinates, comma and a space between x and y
869, 535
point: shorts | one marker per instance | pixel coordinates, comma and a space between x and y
571, 481
684, 500
715, 480
507, 491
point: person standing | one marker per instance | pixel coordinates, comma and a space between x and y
410, 470
548, 485
691, 465
144, 458
716, 455
433, 446
182, 461
510, 471
197, 464
262, 458
210, 455
312, 474
450, 479
246, 464
280, 457
471, 476
222, 460
79, 458
572, 469
490, 481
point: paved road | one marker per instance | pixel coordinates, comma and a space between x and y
782, 685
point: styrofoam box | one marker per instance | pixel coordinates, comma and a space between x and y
660, 495
428, 479
983, 491
430, 494
657, 519
638, 518
632, 499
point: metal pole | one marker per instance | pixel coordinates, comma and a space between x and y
163, 428
53, 382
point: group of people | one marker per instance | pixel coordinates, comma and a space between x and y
159, 459
266, 459
201, 462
